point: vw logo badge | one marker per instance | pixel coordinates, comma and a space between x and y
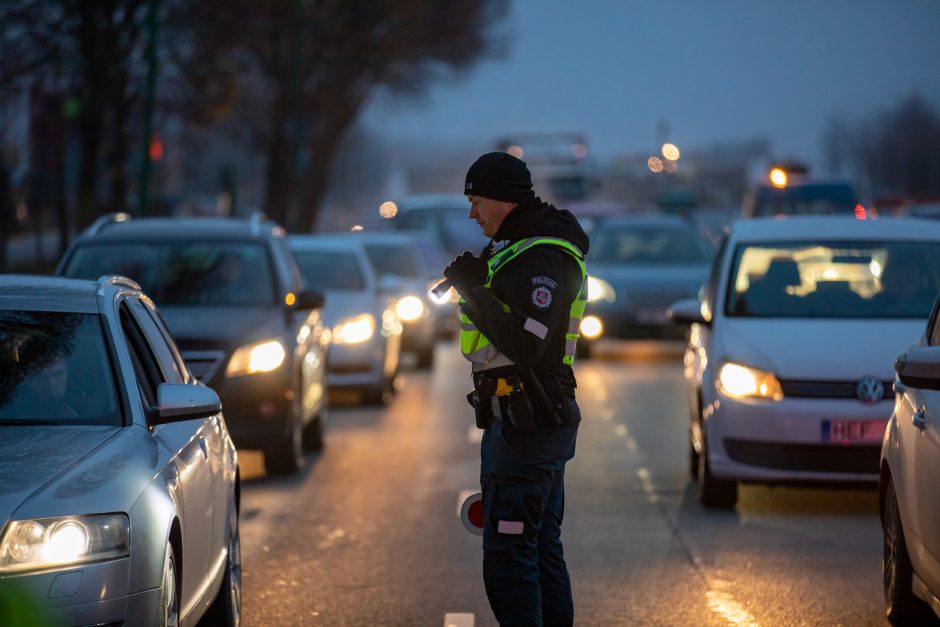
870, 390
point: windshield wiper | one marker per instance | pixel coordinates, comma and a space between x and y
27, 422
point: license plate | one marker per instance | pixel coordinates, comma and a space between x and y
853, 430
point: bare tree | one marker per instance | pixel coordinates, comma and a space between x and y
315, 63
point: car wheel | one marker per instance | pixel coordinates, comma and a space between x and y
313, 432
286, 456
169, 590
426, 357
901, 606
226, 610
693, 459
714, 493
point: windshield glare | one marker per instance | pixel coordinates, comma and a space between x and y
324, 270
54, 369
184, 273
648, 246
834, 280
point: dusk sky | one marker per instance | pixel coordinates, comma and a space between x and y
714, 70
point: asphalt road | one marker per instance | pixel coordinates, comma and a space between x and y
369, 533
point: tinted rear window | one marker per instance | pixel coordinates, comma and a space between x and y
324, 270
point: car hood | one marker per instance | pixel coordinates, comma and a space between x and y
31, 457
830, 350
344, 304
227, 326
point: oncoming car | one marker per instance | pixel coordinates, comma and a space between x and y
119, 484
639, 266
235, 301
366, 344
789, 357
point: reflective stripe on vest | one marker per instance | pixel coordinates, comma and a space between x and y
477, 348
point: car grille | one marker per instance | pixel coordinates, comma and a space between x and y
827, 389
203, 364
805, 457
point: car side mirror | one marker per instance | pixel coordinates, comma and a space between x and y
178, 402
920, 368
687, 311
310, 299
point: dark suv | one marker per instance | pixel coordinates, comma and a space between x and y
234, 300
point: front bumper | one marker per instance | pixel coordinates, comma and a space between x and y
257, 406
356, 365
419, 335
93, 594
786, 441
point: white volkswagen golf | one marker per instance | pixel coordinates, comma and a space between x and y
790, 353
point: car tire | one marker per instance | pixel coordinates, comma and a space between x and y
693, 459
287, 455
313, 432
426, 357
226, 609
714, 493
902, 607
381, 394
169, 590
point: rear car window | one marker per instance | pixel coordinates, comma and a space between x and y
390, 259
643, 245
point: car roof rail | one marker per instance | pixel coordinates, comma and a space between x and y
106, 280
255, 220
109, 218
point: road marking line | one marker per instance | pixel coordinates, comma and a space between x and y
458, 620
463, 496
474, 435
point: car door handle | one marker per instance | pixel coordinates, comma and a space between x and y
204, 447
919, 418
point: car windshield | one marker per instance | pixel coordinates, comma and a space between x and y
645, 245
183, 272
834, 280
391, 259
54, 369
326, 270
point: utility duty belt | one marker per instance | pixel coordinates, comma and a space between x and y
520, 399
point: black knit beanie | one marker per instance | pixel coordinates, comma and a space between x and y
499, 176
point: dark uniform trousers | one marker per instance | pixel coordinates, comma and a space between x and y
523, 483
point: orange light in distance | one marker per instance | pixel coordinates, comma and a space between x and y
778, 177
290, 299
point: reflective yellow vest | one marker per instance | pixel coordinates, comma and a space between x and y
477, 348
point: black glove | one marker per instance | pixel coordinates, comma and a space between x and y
465, 273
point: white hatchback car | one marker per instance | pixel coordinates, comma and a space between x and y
791, 345
910, 485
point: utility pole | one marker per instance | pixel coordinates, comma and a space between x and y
146, 169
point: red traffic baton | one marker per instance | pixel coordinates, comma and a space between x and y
471, 513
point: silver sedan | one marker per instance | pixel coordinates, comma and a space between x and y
118, 479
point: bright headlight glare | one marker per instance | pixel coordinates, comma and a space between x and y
354, 330
409, 308
59, 542
599, 289
443, 299
739, 381
591, 327
263, 356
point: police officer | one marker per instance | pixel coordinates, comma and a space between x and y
521, 306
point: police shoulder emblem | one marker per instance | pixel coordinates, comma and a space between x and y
541, 297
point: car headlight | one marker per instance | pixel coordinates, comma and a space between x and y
409, 308
599, 289
354, 330
739, 381
58, 542
591, 327
263, 356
